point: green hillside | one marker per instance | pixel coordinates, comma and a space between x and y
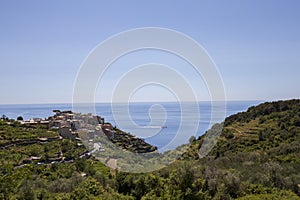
261, 147
269, 128
256, 157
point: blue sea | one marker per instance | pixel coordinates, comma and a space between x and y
160, 124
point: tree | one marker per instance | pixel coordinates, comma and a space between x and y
20, 118
80, 164
192, 139
260, 136
4, 118
25, 191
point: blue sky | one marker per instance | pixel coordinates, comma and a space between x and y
255, 44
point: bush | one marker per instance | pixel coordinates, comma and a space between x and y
20, 118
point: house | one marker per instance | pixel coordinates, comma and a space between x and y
30, 122
107, 129
57, 123
107, 126
38, 120
69, 115
45, 123
66, 132
91, 134
100, 120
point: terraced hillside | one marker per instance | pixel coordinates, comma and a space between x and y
256, 157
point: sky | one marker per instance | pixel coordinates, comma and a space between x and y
254, 44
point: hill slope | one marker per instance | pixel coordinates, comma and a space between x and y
259, 147
272, 128
256, 157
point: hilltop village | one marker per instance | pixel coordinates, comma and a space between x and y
87, 131
77, 126
68, 123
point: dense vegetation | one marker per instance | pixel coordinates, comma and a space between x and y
131, 143
256, 157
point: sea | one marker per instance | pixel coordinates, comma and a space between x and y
162, 124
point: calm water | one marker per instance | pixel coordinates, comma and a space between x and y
144, 120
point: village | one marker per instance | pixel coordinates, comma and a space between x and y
86, 130
79, 128
84, 127
68, 123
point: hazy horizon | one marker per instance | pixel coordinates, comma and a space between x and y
202, 101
